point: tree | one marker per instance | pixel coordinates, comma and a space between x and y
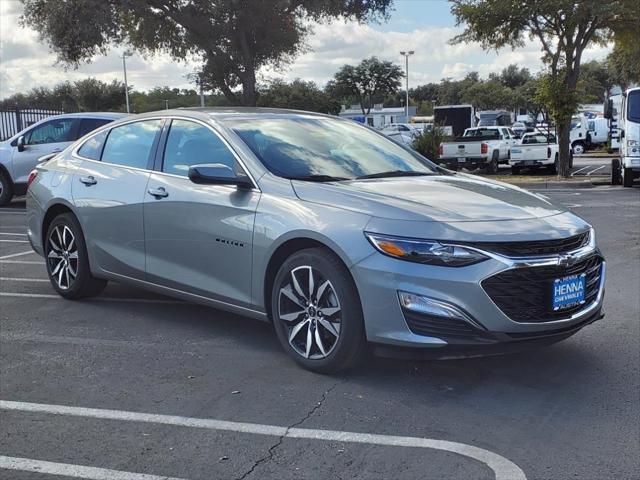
92, 95
564, 29
371, 77
298, 95
489, 95
513, 76
233, 39
594, 82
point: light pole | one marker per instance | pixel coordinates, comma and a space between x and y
406, 58
201, 89
126, 85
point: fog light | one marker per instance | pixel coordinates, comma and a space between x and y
430, 306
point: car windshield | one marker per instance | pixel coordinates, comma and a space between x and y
324, 149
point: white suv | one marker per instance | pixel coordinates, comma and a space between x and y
19, 154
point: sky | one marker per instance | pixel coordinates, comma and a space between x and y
425, 26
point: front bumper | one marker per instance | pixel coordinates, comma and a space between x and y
380, 278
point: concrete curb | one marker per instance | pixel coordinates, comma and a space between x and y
594, 182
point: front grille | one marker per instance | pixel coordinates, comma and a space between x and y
525, 294
535, 248
433, 326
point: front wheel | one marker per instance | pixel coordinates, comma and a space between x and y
627, 177
616, 172
67, 260
6, 191
578, 148
316, 312
553, 168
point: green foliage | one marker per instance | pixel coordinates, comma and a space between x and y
428, 142
364, 81
234, 39
84, 95
298, 95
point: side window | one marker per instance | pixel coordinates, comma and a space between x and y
92, 148
130, 145
90, 124
190, 143
54, 131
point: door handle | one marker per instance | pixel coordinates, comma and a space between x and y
88, 180
158, 192
56, 150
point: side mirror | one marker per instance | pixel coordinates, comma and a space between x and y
217, 174
608, 109
20, 143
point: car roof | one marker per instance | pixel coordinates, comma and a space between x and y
109, 115
236, 113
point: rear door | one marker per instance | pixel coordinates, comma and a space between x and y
109, 190
199, 237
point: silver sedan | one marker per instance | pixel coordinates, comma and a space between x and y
338, 236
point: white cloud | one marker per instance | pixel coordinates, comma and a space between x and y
26, 63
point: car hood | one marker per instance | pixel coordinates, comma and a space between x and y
441, 198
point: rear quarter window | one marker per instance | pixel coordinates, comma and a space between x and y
92, 148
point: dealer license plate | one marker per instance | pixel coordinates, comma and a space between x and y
569, 291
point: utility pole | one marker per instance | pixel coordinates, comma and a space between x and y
406, 56
126, 85
201, 90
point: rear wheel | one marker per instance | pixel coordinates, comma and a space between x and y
515, 170
316, 312
553, 169
67, 260
6, 189
492, 166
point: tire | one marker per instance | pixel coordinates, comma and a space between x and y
6, 189
616, 172
492, 166
327, 334
578, 148
515, 170
553, 169
627, 177
64, 255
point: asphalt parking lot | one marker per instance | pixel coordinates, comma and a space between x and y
583, 166
170, 389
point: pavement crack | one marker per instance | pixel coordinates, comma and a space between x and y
269, 455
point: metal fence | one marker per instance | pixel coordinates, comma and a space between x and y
14, 120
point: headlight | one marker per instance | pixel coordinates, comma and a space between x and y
633, 143
430, 252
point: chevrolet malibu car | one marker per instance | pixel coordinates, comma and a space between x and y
20, 153
338, 236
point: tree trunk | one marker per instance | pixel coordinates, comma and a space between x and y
249, 93
564, 128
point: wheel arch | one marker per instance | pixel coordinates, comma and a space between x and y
53, 210
284, 250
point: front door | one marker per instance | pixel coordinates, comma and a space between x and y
109, 192
48, 137
199, 237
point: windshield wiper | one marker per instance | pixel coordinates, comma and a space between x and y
395, 173
317, 178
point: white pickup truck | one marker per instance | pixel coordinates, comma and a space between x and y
479, 147
535, 150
